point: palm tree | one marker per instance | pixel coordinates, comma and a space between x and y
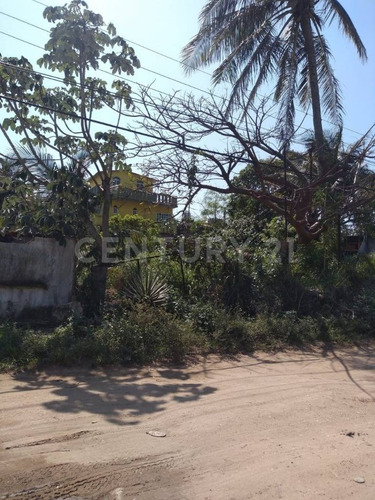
254, 40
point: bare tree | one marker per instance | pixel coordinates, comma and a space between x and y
291, 185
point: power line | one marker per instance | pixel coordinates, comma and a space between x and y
21, 40
40, 3
61, 80
125, 79
142, 67
143, 134
23, 21
108, 92
151, 104
125, 129
161, 74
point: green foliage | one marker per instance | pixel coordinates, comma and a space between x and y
142, 335
146, 334
46, 201
20, 347
242, 206
214, 206
59, 119
156, 334
11, 185
142, 233
67, 41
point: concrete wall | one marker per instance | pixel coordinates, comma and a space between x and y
35, 275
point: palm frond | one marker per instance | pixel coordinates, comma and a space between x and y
334, 10
329, 84
285, 93
225, 25
254, 40
37, 161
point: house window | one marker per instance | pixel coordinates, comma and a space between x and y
162, 217
134, 211
116, 181
115, 209
140, 185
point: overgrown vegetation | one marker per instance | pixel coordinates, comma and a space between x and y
145, 335
170, 309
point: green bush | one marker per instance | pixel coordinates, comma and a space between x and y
232, 334
275, 332
156, 334
141, 335
20, 346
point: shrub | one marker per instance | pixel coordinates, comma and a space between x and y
277, 331
141, 335
20, 346
155, 334
233, 334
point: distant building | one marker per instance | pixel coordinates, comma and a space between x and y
367, 246
133, 194
352, 244
358, 244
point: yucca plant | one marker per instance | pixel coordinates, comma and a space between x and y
147, 286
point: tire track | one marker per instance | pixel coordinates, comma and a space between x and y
98, 484
60, 439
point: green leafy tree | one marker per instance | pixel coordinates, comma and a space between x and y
254, 40
214, 206
140, 231
245, 207
66, 119
44, 199
11, 186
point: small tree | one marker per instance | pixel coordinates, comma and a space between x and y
66, 119
214, 206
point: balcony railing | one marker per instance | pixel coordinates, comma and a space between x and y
120, 193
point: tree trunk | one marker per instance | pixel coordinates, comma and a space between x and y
98, 289
99, 272
314, 89
339, 241
106, 206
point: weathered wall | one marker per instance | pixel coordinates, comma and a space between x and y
35, 274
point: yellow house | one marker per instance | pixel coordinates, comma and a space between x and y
133, 194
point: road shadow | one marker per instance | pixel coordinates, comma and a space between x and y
120, 396
362, 359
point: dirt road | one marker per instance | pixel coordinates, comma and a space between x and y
292, 426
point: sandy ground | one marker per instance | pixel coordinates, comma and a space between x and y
294, 425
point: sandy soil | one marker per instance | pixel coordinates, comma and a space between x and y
294, 425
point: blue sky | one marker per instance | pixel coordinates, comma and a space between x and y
167, 25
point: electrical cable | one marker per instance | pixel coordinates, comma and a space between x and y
161, 74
